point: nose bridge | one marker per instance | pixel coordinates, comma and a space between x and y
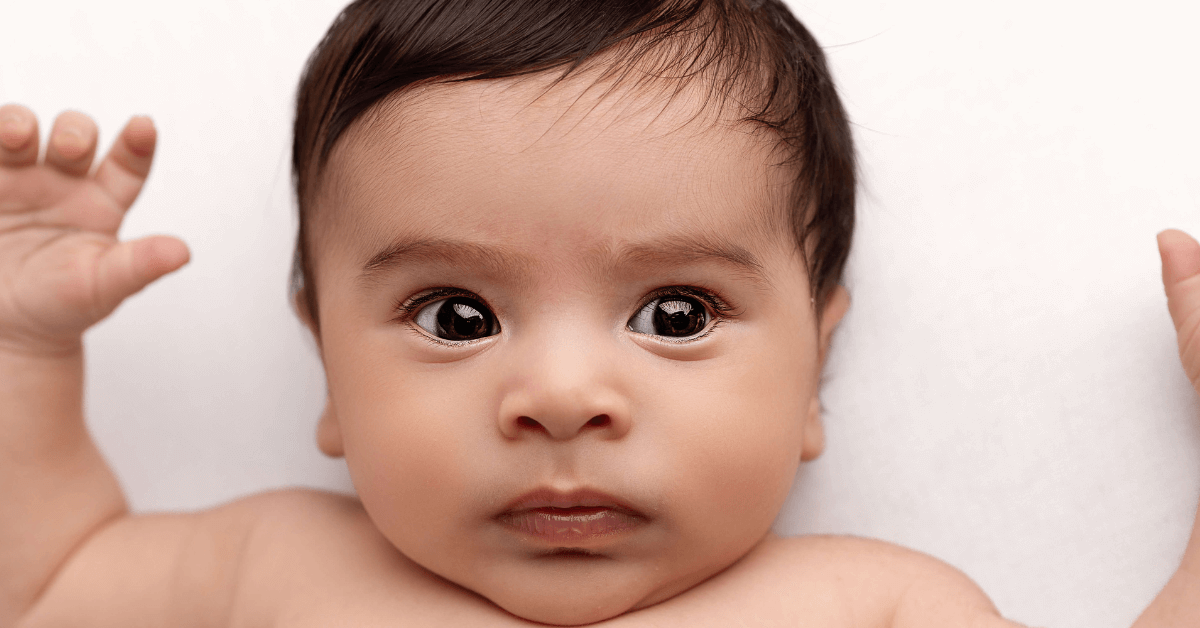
564, 383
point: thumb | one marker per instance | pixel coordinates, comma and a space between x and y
1181, 279
1180, 274
130, 266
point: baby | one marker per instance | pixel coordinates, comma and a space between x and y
573, 270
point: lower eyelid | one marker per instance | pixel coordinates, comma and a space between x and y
439, 342
717, 322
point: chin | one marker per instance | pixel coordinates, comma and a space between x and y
571, 603
563, 616
565, 612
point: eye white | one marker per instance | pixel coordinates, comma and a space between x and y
426, 317
643, 321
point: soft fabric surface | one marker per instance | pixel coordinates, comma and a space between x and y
1004, 393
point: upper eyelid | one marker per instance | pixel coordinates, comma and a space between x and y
722, 309
408, 306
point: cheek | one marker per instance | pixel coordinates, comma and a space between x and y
736, 436
733, 446
412, 438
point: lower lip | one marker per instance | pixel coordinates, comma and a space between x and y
571, 525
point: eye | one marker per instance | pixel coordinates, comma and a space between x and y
672, 315
457, 318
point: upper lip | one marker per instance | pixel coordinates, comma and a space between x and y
579, 498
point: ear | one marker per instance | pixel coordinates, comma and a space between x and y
814, 429
814, 433
329, 433
300, 305
835, 310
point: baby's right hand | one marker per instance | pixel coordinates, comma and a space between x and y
62, 268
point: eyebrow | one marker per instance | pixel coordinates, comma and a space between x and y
683, 250
499, 260
493, 260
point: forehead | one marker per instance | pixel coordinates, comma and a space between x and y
580, 161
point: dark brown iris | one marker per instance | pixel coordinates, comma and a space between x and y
679, 317
462, 318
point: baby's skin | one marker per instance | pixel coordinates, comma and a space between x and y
527, 442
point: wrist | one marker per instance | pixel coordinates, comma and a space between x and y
31, 372
20, 352
41, 400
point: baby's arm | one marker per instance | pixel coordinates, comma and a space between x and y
1179, 602
62, 269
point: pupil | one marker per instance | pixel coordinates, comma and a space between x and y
679, 317
461, 318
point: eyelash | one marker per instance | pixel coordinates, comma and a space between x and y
722, 310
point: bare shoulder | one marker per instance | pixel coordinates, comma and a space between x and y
827, 581
309, 552
296, 529
191, 568
906, 588
299, 511
869, 559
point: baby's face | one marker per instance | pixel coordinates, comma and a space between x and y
572, 359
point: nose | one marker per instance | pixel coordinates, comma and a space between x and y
564, 390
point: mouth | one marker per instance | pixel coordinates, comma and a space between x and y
573, 518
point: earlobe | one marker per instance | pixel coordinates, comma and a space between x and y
300, 304
813, 433
329, 433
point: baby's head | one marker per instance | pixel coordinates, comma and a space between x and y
573, 268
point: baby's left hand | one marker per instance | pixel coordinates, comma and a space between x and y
1181, 278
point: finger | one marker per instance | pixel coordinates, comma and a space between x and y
72, 143
1180, 273
18, 136
124, 170
130, 266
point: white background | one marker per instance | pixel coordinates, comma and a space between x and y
1005, 393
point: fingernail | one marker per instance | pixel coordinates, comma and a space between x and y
14, 131
69, 140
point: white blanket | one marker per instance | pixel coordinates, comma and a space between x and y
1004, 393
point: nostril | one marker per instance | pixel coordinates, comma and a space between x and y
525, 421
601, 420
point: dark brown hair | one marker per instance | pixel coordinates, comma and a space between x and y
753, 52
